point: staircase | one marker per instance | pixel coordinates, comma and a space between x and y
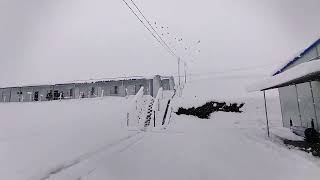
149, 114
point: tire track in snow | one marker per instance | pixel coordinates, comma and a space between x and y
130, 145
89, 172
66, 165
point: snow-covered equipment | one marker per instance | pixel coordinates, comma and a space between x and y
310, 134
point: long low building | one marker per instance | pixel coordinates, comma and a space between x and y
86, 89
298, 83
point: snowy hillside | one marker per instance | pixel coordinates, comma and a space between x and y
87, 140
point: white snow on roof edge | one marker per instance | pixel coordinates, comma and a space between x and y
10, 85
292, 74
295, 56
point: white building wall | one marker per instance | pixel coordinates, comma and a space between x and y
15, 94
316, 95
79, 90
43, 91
301, 104
172, 84
289, 106
66, 90
27, 94
5, 95
306, 105
156, 85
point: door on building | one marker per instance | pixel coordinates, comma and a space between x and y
76, 93
36, 96
71, 93
56, 95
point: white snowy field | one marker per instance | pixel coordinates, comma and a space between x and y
87, 140
37, 139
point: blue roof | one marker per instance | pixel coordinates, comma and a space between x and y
298, 57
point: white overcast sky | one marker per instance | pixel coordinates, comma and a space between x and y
62, 40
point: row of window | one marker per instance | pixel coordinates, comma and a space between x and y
58, 94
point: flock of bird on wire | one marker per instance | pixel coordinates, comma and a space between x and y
178, 44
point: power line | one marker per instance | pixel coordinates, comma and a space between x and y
164, 44
234, 70
152, 27
147, 28
241, 69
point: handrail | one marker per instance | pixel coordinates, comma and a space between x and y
159, 96
138, 97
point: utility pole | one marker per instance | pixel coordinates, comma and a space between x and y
179, 70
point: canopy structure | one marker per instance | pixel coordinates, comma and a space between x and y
304, 72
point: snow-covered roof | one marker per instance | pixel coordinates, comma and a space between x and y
298, 74
297, 57
9, 85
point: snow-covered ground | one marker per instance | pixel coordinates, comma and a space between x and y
37, 139
87, 140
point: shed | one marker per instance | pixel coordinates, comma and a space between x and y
298, 83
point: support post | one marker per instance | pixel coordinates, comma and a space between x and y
10, 95
266, 110
185, 73
154, 118
314, 105
127, 119
179, 70
298, 102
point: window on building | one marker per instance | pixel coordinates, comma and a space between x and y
115, 89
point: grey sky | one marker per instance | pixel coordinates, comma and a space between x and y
62, 40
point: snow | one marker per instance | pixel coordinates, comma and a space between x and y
299, 71
88, 140
136, 109
36, 138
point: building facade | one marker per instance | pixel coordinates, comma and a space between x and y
298, 83
86, 89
